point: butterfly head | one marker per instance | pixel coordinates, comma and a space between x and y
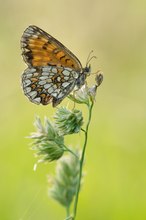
87, 70
82, 78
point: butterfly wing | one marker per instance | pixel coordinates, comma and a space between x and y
41, 49
48, 84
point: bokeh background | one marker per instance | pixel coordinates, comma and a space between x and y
115, 182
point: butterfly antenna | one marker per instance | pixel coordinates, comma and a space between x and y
89, 55
89, 58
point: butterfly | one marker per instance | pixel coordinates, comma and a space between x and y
53, 70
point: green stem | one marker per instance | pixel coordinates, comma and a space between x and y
82, 161
67, 149
83, 130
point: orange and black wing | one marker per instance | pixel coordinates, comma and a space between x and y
41, 49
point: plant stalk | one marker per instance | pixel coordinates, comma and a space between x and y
82, 160
69, 150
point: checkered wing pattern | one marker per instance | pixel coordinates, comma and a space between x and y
48, 84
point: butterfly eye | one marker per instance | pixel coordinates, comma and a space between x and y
87, 70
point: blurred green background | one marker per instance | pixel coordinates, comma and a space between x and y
115, 183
